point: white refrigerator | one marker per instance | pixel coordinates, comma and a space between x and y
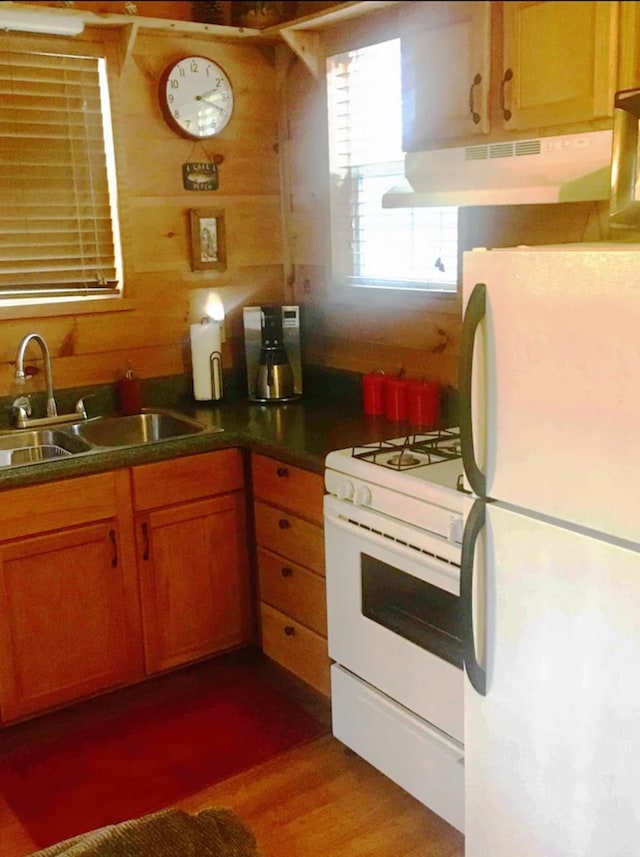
550, 588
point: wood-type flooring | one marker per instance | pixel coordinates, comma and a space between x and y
317, 800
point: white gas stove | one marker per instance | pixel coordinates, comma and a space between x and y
393, 522
416, 479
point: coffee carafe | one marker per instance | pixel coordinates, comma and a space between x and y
272, 343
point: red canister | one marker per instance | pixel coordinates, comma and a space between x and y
423, 403
396, 400
373, 388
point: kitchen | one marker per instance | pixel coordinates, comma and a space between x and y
90, 350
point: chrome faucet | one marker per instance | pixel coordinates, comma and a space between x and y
52, 410
21, 410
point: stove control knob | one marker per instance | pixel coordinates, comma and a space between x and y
362, 496
454, 533
344, 491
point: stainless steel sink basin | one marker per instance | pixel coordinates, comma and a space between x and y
148, 427
28, 447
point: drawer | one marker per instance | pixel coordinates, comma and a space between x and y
293, 590
67, 503
178, 480
290, 536
296, 648
287, 486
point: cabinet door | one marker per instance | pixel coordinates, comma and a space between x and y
63, 619
194, 578
445, 72
559, 63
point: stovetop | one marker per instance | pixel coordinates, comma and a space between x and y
425, 467
416, 479
412, 451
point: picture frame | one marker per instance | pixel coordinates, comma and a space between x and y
208, 245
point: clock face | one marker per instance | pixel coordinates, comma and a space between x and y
196, 97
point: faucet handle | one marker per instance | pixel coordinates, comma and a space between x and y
23, 402
81, 410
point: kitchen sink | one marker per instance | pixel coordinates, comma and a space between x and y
147, 427
28, 447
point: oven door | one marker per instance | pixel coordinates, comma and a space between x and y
388, 648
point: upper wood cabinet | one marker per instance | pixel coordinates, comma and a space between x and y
487, 70
445, 72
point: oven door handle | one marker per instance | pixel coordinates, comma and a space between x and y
474, 525
474, 313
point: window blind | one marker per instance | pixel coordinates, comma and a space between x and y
58, 233
371, 246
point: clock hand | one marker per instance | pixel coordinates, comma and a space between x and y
209, 97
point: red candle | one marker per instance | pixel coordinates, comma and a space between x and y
423, 403
396, 399
373, 387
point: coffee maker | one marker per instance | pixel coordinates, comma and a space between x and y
272, 347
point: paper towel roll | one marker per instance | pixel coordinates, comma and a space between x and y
205, 341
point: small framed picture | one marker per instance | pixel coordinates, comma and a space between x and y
208, 252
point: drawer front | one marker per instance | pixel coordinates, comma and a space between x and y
178, 480
293, 590
290, 536
287, 486
296, 648
57, 505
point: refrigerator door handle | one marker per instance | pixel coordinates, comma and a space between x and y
474, 524
474, 313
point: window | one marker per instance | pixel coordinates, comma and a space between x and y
415, 248
59, 234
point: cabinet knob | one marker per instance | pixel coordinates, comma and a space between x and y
284, 524
282, 472
286, 571
289, 630
508, 75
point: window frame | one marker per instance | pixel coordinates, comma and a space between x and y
97, 42
368, 30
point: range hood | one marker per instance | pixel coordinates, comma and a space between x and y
567, 168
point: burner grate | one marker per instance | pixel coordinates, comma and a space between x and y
413, 450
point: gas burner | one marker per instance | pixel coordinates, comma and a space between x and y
403, 459
414, 450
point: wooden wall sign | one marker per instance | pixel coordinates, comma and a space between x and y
200, 176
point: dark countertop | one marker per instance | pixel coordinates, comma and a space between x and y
300, 433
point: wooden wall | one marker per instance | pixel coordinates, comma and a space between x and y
154, 334
274, 193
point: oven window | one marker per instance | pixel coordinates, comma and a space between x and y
419, 612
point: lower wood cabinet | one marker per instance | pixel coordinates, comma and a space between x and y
69, 614
107, 578
192, 557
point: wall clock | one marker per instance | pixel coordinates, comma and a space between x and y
196, 97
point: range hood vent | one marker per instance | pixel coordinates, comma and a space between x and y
567, 168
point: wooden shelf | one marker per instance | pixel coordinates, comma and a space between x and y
302, 35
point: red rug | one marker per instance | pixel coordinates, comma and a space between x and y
151, 757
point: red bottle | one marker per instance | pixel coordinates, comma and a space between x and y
130, 393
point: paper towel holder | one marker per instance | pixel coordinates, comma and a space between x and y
207, 359
215, 361
215, 365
